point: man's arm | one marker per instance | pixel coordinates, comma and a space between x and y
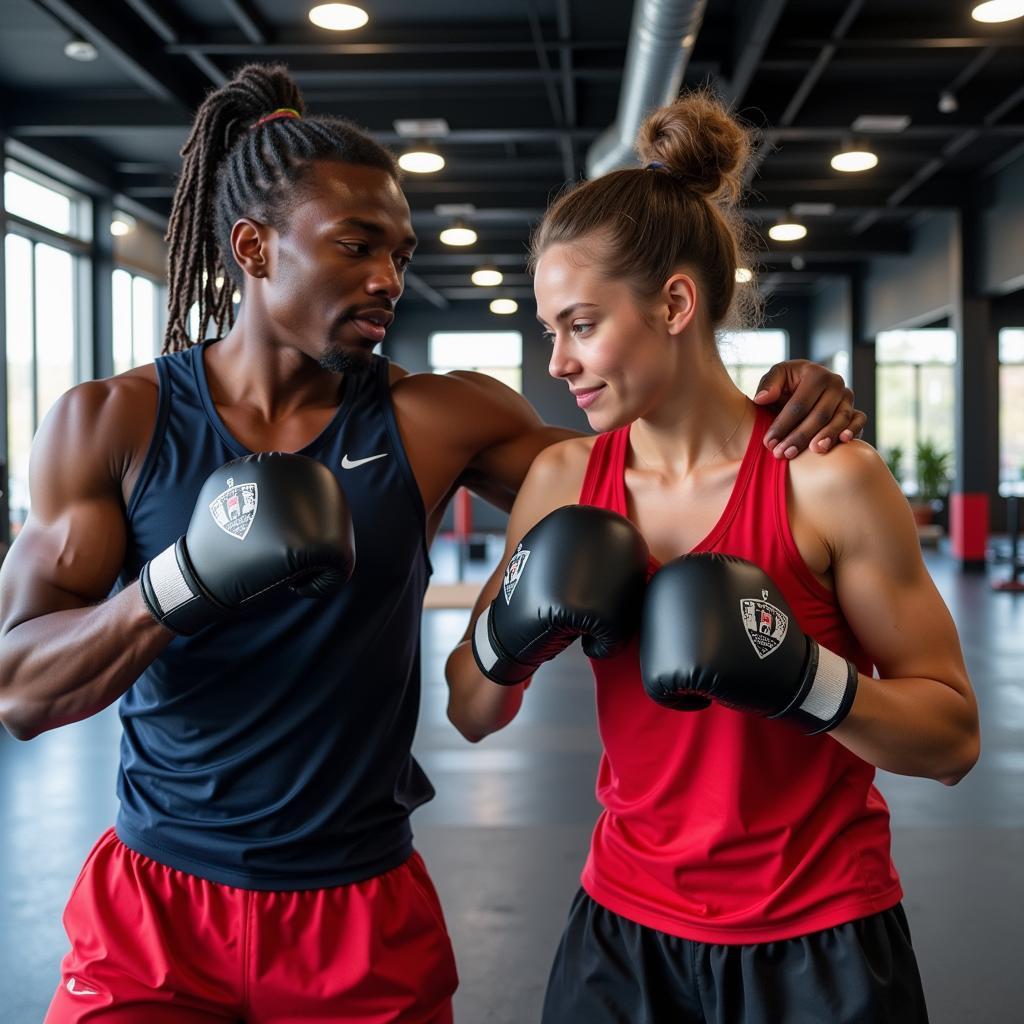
818, 411
921, 717
65, 652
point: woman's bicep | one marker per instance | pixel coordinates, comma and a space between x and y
885, 590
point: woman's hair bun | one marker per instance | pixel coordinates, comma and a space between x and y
700, 143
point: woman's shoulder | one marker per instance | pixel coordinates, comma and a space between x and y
853, 476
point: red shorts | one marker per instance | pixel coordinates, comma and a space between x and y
151, 945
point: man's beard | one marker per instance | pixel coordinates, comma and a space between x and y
346, 360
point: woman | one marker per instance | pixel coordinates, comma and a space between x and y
740, 869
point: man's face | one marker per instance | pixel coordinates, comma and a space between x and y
338, 264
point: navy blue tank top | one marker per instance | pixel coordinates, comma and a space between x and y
272, 751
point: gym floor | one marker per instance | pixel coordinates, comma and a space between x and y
507, 833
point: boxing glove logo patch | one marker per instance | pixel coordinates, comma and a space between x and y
513, 572
234, 509
766, 625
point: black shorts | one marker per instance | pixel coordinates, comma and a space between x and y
610, 970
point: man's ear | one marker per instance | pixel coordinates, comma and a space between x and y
679, 294
250, 245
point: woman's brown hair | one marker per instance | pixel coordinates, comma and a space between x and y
679, 207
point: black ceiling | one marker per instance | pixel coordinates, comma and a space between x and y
526, 86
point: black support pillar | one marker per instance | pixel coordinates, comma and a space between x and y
977, 400
862, 358
101, 284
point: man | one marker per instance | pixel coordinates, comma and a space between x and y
262, 865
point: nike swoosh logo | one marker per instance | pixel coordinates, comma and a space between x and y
347, 463
77, 990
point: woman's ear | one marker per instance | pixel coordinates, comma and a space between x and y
250, 246
679, 293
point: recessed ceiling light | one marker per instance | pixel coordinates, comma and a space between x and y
420, 127
744, 275
787, 231
122, 224
852, 160
503, 307
458, 234
421, 160
487, 277
338, 17
80, 49
812, 209
998, 10
948, 103
881, 123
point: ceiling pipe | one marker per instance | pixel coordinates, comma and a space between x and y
661, 39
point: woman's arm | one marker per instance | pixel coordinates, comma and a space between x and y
921, 717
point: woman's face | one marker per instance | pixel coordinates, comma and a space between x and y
613, 351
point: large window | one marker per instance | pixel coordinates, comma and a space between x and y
749, 355
44, 256
1011, 410
499, 354
136, 320
915, 398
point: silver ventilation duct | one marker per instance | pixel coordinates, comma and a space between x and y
661, 40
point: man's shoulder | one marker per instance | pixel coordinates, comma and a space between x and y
464, 396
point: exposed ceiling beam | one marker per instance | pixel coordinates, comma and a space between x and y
124, 40
170, 29
342, 81
933, 166
924, 42
750, 49
500, 41
248, 19
421, 288
803, 90
551, 80
566, 64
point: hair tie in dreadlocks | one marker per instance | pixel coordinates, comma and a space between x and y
289, 112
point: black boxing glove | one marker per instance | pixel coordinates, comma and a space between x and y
259, 522
580, 571
716, 627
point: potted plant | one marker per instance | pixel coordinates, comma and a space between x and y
932, 466
894, 460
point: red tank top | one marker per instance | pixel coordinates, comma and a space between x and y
721, 826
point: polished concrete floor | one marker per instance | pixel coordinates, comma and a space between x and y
506, 835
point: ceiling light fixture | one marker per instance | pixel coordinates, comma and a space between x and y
422, 159
998, 10
80, 49
122, 224
458, 234
787, 231
948, 103
487, 277
338, 17
854, 157
504, 307
744, 275
881, 123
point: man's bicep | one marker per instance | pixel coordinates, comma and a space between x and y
497, 472
72, 545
